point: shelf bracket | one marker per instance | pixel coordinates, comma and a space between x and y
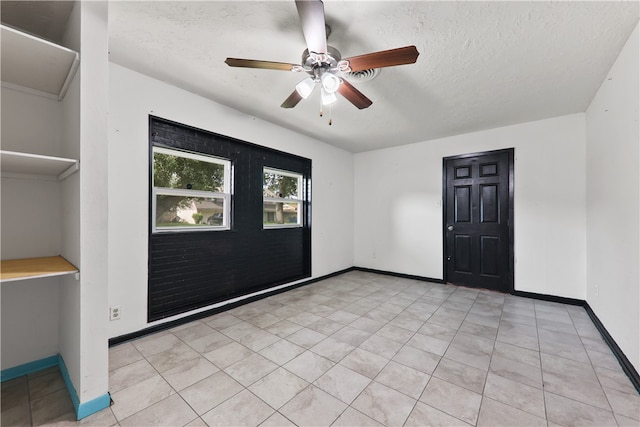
69, 78
69, 171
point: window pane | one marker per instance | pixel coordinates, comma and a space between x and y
179, 211
279, 186
280, 213
181, 172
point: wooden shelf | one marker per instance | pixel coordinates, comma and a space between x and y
37, 64
31, 268
35, 164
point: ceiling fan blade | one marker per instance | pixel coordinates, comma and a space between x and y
385, 58
311, 14
266, 65
353, 95
292, 100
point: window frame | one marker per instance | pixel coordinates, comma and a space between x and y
300, 200
164, 191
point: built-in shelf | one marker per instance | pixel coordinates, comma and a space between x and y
13, 162
36, 64
31, 268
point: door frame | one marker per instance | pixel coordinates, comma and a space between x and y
510, 224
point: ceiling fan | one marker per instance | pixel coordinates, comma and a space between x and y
324, 64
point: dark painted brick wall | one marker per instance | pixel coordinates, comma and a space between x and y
188, 270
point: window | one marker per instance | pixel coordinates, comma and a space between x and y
282, 199
190, 191
199, 266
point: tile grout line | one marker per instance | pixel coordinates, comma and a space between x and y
593, 368
198, 416
163, 378
404, 345
372, 380
29, 400
571, 360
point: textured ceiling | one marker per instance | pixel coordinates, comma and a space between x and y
481, 65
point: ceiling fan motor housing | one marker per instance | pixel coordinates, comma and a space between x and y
324, 64
329, 60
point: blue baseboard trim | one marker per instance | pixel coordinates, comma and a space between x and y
28, 368
67, 380
83, 410
93, 406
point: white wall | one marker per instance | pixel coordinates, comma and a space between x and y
30, 213
94, 104
30, 218
69, 299
613, 202
83, 303
29, 321
30, 123
133, 97
398, 196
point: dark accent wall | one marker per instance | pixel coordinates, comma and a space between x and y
193, 269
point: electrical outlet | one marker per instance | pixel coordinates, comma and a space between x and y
115, 313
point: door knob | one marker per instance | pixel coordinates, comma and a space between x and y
450, 227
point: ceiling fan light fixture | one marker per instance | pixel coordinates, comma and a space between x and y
328, 98
343, 66
324, 63
305, 87
330, 82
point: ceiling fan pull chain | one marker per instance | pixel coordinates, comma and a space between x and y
324, 64
330, 114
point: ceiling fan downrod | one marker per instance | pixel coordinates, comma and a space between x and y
324, 64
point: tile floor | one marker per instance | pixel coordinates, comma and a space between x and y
358, 349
